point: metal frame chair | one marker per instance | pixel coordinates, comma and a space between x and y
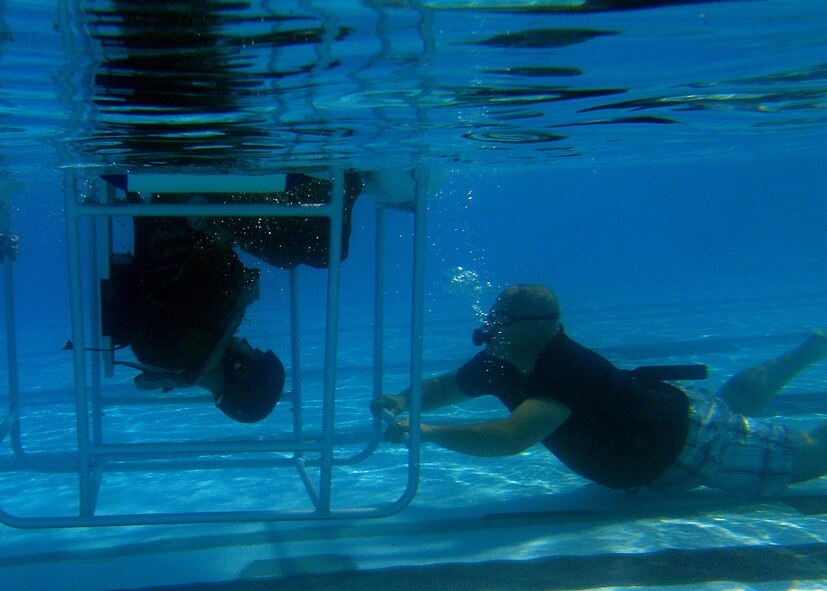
92, 456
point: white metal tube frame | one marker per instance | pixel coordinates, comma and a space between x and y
92, 457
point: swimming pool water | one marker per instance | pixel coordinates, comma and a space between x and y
661, 169
456, 493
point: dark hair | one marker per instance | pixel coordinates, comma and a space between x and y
252, 385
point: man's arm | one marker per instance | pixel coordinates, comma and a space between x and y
531, 422
436, 393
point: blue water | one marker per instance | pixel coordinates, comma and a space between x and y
662, 170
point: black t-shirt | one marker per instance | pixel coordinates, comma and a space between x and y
184, 294
621, 433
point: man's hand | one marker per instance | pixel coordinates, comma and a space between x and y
396, 432
395, 405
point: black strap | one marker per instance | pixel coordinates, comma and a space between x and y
660, 373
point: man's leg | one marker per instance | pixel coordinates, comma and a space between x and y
749, 391
811, 457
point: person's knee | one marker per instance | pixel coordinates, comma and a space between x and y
811, 456
746, 393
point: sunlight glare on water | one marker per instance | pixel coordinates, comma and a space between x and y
259, 85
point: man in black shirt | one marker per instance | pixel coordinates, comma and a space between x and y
609, 426
180, 301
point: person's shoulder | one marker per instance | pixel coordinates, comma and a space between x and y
563, 343
483, 360
486, 374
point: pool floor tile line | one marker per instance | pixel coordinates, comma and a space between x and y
752, 564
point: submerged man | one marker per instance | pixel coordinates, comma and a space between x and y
180, 300
610, 427
178, 304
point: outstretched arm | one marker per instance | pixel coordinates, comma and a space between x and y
436, 393
531, 422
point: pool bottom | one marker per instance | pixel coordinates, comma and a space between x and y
589, 539
773, 566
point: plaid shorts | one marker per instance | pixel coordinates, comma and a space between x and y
731, 452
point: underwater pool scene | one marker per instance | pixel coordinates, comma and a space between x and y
661, 165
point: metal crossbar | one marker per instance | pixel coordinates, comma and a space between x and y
91, 456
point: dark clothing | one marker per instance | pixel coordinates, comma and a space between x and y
290, 241
186, 290
621, 433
